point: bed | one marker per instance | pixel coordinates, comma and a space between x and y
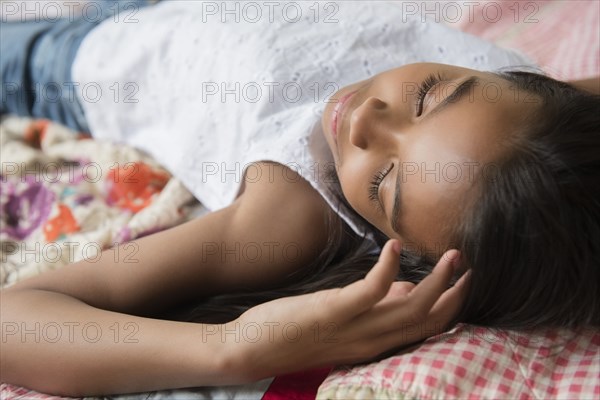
65, 196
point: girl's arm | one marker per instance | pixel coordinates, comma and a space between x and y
591, 85
57, 344
84, 328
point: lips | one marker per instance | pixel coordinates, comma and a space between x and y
338, 112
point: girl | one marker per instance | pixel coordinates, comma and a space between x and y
424, 159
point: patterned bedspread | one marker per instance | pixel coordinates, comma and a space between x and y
65, 197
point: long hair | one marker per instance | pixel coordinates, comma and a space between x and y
531, 235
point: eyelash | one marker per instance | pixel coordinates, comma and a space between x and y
374, 186
424, 87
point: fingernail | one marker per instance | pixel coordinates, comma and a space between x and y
456, 259
396, 247
453, 257
462, 279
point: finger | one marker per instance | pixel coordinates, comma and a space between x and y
442, 313
428, 291
394, 312
363, 294
444, 310
451, 301
399, 289
463, 281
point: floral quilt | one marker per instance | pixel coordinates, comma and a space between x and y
66, 197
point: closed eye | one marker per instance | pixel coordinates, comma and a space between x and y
424, 88
374, 187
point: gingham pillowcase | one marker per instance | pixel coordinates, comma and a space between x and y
477, 363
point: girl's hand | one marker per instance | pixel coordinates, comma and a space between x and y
346, 325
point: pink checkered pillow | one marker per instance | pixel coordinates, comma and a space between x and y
479, 363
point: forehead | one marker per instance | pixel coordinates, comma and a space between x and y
479, 126
447, 151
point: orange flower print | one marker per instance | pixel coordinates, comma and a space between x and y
132, 185
83, 136
35, 131
64, 222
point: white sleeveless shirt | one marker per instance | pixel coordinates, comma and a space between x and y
207, 88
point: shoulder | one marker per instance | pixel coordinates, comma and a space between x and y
271, 185
272, 189
279, 206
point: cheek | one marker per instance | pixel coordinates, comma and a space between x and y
354, 180
353, 183
430, 207
421, 218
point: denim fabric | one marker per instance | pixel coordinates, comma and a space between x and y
36, 58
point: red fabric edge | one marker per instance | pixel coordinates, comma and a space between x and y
297, 386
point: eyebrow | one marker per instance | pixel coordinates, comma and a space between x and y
457, 95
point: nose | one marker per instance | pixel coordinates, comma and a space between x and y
367, 125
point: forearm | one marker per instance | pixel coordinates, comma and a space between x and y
56, 344
591, 85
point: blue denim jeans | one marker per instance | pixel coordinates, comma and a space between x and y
36, 58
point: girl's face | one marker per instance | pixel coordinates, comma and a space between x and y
405, 162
